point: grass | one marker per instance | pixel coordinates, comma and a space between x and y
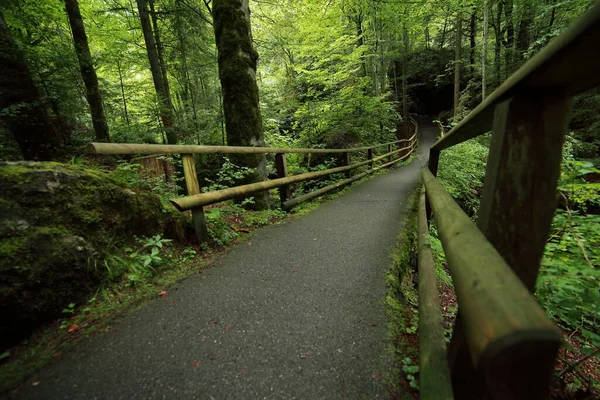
118, 299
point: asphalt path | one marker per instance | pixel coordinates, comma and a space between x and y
297, 312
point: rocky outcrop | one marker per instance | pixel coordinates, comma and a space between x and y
57, 223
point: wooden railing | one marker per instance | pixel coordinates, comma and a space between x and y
195, 200
503, 345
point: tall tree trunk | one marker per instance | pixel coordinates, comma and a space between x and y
443, 37
88, 73
167, 113
23, 113
237, 71
457, 61
159, 48
524, 35
484, 41
472, 33
360, 40
510, 37
498, 44
123, 92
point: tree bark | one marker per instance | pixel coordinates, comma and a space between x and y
23, 112
123, 92
167, 113
524, 35
88, 73
472, 34
237, 72
484, 50
159, 49
498, 44
457, 62
510, 37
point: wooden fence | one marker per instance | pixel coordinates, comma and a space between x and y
195, 200
503, 345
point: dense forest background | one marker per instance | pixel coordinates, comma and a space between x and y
331, 73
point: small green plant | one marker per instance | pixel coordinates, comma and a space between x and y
410, 370
70, 309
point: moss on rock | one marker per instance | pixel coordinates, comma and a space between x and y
56, 223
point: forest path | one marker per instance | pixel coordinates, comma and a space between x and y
296, 312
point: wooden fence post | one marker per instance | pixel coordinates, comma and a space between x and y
193, 187
281, 167
517, 207
346, 162
370, 156
389, 150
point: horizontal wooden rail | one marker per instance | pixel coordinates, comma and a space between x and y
203, 199
569, 63
319, 192
511, 341
434, 374
131, 148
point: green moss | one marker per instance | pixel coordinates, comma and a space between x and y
401, 303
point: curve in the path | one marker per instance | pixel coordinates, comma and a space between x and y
297, 312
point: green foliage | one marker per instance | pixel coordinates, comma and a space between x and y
229, 175
581, 195
140, 264
461, 172
568, 282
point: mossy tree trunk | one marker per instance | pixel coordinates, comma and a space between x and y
88, 73
21, 108
167, 113
237, 71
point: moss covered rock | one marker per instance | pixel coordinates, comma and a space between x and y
56, 223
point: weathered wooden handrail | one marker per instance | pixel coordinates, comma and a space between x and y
196, 200
134, 148
204, 199
507, 332
434, 375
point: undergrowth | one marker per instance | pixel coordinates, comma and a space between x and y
401, 305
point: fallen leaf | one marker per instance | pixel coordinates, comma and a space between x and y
214, 321
195, 364
115, 330
296, 270
56, 355
228, 327
163, 293
214, 355
73, 328
249, 244
243, 372
303, 355
35, 383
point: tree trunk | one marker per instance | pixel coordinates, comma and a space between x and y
167, 114
88, 73
237, 72
159, 49
524, 35
484, 50
472, 33
457, 62
498, 45
123, 92
23, 113
510, 37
